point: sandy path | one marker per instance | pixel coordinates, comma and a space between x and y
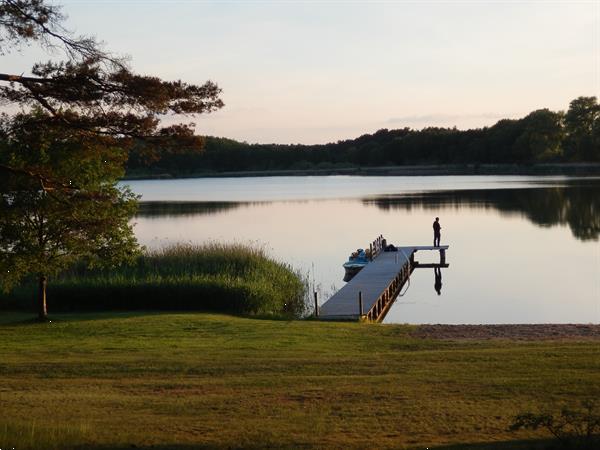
513, 332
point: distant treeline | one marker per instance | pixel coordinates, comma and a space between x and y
542, 136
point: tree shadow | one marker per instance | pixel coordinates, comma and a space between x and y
17, 318
199, 446
523, 444
12, 318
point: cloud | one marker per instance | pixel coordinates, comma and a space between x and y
437, 119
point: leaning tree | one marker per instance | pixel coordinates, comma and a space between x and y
62, 153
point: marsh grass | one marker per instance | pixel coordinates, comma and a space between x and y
232, 278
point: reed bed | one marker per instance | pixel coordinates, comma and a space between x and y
232, 278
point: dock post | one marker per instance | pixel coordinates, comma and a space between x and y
360, 305
442, 256
371, 252
316, 306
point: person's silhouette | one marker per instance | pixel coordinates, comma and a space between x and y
438, 280
436, 232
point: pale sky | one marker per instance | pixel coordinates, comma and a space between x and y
320, 71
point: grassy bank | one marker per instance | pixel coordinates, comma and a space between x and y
183, 381
214, 277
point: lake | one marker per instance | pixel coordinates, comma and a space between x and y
522, 249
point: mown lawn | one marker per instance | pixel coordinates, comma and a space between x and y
117, 380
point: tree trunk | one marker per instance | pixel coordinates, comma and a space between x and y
43, 311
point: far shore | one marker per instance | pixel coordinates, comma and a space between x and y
571, 169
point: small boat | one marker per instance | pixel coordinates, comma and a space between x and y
355, 263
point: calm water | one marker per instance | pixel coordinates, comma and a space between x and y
522, 249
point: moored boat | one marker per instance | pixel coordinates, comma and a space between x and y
355, 263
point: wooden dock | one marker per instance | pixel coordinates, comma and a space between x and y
370, 294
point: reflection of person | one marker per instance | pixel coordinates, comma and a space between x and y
438, 280
436, 232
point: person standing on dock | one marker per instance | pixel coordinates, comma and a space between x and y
436, 232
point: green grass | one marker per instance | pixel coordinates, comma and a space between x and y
191, 380
212, 277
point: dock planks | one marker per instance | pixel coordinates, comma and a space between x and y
379, 283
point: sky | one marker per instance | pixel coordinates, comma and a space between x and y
320, 71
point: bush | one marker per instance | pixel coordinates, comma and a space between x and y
572, 427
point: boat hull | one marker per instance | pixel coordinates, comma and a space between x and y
351, 270
355, 263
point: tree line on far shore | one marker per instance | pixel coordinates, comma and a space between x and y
543, 136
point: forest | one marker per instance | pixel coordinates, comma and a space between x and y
543, 136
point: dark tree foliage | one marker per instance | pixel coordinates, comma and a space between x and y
23, 21
94, 91
61, 156
541, 136
45, 227
582, 127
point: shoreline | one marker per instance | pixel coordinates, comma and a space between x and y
567, 169
512, 332
444, 332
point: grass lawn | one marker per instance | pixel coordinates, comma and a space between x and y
117, 380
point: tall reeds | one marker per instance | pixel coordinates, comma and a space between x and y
216, 277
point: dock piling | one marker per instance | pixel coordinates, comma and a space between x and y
360, 303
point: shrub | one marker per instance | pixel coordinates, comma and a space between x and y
575, 428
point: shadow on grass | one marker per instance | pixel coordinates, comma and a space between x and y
12, 318
189, 447
529, 444
537, 444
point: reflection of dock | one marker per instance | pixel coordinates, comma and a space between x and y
370, 294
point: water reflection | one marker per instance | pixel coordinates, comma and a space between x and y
502, 244
577, 206
183, 209
437, 285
